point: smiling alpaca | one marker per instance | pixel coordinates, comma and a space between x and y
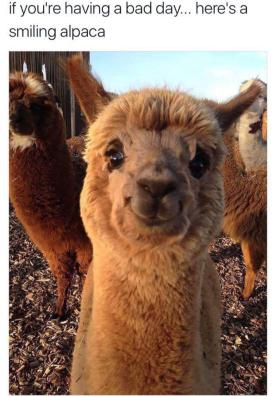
152, 201
45, 180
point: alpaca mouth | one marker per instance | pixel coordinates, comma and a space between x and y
156, 215
157, 222
153, 221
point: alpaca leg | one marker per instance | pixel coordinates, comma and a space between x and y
63, 283
62, 267
84, 258
253, 259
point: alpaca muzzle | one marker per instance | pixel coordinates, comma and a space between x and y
157, 198
20, 119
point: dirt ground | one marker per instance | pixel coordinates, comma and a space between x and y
41, 347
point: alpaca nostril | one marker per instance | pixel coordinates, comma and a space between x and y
171, 187
157, 188
144, 187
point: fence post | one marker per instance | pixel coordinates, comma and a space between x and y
72, 113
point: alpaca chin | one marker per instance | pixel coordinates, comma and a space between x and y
22, 142
130, 227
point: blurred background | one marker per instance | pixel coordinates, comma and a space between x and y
213, 75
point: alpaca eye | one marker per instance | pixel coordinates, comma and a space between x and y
199, 164
116, 158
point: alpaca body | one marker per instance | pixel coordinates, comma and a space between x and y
146, 333
152, 201
153, 324
245, 216
49, 212
45, 184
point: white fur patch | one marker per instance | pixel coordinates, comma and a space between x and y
248, 118
21, 142
36, 86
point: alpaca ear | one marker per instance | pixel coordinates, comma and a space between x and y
227, 113
90, 92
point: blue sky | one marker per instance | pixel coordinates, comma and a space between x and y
216, 75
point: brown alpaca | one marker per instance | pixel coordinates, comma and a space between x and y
152, 201
45, 180
245, 215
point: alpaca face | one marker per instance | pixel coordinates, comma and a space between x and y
159, 179
251, 131
32, 109
153, 158
251, 120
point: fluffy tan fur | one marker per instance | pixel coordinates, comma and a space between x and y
150, 311
85, 86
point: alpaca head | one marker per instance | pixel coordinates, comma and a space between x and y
33, 110
251, 121
153, 162
251, 129
153, 159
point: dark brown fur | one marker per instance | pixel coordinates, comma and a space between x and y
76, 145
46, 180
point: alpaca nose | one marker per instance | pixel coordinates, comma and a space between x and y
157, 188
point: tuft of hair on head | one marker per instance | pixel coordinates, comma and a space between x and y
89, 91
228, 112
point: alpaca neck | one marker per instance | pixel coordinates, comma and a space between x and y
166, 267
138, 304
233, 165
